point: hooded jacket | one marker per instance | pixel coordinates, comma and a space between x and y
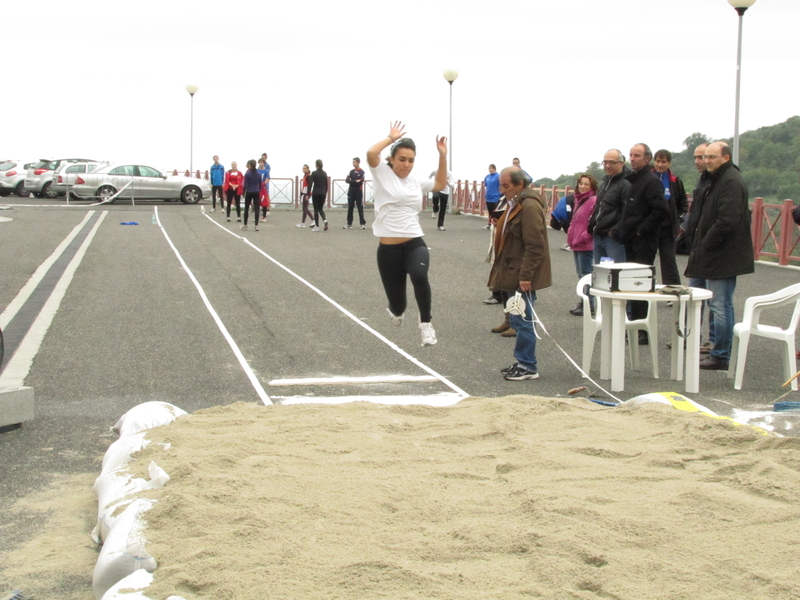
722, 246
522, 252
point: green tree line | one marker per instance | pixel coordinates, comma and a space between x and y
769, 158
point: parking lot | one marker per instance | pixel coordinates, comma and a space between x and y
198, 313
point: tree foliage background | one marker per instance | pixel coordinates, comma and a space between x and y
769, 158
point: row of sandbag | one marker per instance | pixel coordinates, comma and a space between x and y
123, 563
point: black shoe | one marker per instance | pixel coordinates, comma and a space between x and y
520, 373
578, 310
712, 363
491, 300
643, 339
509, 369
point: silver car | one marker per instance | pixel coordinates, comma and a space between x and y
39, 178
139, 182
64, 175
12, 178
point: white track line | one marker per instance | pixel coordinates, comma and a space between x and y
238, 353
341, 380
355, 319
443, 399
19, 366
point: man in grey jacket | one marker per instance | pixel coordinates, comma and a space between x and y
604, 224
722, 246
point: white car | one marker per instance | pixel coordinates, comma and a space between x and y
139, 182
12, 178
39, 178
64, 176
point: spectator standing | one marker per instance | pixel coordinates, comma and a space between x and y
318, 188
491, 183
263, 171
439, 200
677, 206
217, 174
305, 195
522, 264
515, 163
234, 180
722, 246
252, 192
561, 216
578, 236
355, 194
606, 220
402, 253
643, 214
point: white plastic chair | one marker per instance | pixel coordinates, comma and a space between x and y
593, 324
750, 325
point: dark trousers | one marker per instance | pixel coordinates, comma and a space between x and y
319, 203
306, 212
666, 254
251, 199
355, 197
216, 192
395, 262
642, 250
439, 201
233, 197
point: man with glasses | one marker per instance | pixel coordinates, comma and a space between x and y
604, 224
722, 247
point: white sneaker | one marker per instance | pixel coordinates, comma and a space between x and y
244, 227
396, 321
434, 215
315, 229
300, 225
428, 334
212, 210
442, 229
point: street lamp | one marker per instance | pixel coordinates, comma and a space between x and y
450, 75
192, 89
741, 6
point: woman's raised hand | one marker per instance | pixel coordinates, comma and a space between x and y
441, 144
396, 131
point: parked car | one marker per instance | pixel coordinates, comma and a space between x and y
142, 182
64, 175
39, 178
12, 178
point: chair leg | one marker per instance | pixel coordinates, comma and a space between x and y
654, 350
741, 357
789, 363
633, 347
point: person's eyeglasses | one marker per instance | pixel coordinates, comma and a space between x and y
710, 156
608, 163
699, 157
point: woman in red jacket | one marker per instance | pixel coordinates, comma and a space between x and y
305, 194
234, 182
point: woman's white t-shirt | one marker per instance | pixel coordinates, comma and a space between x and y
397, 201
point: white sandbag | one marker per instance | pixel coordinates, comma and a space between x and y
116, 489
119, 453
124, 549
146, 416
138, 580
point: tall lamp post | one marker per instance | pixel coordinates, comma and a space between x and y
450, 75
741, 6
192, 89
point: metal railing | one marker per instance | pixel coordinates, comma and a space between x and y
774, 232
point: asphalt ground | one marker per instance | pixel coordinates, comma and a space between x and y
132, 326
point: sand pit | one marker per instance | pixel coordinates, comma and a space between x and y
517, 497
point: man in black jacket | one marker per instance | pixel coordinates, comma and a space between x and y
644, 211
722, 246
605, 221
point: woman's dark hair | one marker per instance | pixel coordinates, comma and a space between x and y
251, 164
591, 178
402, 143
318, 163
307, 167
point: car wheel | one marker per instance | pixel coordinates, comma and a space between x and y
105, 192
4, 192
191, 194
21, 191
48, 191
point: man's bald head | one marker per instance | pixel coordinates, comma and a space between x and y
717, 154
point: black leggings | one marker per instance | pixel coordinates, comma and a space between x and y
395, 261
233, 197
216, 192
251, 198
319, 202
305, 210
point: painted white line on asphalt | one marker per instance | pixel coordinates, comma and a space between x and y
22, 297
354, 318
238, 353
19, 366
444, 399
340, 380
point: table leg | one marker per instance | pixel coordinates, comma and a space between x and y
618, 345
693, 347
680, 317
605, 339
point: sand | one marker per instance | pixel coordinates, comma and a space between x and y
516, 497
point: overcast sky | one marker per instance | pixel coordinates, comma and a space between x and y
554, 82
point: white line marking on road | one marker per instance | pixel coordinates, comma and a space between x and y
355, 319
238, 353
19, 366
443, 399
340, 380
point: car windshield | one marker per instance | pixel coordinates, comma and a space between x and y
40, 164
5, 166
